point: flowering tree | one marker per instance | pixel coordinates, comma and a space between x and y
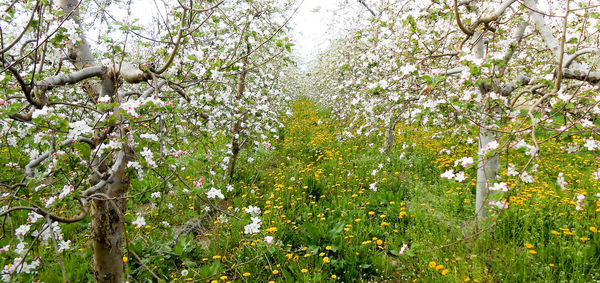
82, 121
487, 72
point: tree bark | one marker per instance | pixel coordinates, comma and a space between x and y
487, 167
237, 126
390, 135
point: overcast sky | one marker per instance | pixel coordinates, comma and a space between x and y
310, 27
313, 26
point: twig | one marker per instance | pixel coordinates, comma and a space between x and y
58, 256
458, 241
144, 265
230, 269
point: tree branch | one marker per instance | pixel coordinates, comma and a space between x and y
36, 162
84, 211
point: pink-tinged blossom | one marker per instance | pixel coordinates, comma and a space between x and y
373, 186
449, 174
502, 187
500, 204
268, 240
78, 129
147, 154
403, 249
460, 176
591, 144
64, 245
252, 210
22, 231
40, 112
21, 248
490, 146
67, 189
213, 193
527, 178
596, 174
104, 99
253, 227
199, 183
464, 162
572, 148
139, 222
580, 199
149, 136
560, 181
511, 170
33, 217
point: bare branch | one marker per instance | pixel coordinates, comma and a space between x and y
567, 62
36, 162
18, 38
84, 211
367, 7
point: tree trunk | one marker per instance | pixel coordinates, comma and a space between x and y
487, 169
390, 135
237, 127
107, 227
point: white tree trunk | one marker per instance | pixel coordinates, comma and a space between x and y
487, 167
486, 172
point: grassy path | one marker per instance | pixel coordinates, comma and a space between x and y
344, 211
333, 208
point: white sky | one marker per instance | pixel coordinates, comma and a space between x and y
310, 28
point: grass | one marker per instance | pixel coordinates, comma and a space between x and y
329, 225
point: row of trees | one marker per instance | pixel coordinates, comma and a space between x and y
85, 121
509, 68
